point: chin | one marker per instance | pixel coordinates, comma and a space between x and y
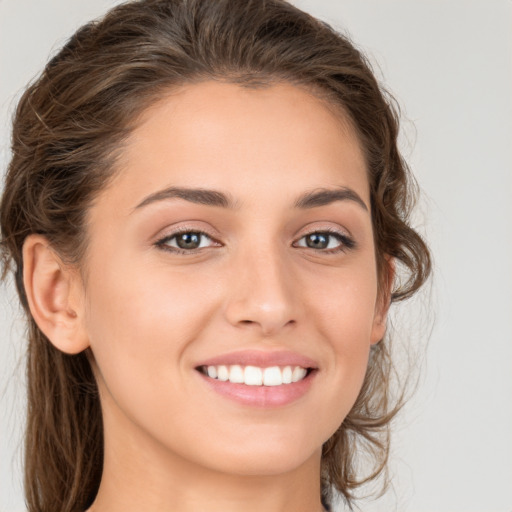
267, 462
269, 454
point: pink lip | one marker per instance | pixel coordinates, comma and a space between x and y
262, 359
261, 396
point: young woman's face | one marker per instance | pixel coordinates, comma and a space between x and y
236, 241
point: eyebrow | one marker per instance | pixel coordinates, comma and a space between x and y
312, 199
194, 195
323, 197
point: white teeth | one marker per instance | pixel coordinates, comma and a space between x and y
298, 373
255, 376
287, 375
236, 374
222, 373
272, 376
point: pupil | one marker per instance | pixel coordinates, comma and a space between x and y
189, 240
317, 241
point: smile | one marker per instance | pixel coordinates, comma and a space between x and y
254, 375
258, 378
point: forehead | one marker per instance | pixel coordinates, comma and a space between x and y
279, 138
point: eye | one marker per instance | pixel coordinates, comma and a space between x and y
186, 241
327, 241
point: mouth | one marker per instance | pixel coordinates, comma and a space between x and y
261, 379
256, 376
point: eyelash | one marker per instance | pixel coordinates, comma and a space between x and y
346, 242
162, 243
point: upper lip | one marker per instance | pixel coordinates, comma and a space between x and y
261, 358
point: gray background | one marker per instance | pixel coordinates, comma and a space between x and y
449, 63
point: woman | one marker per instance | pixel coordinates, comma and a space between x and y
207, 219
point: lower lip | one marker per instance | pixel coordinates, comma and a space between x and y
261, 396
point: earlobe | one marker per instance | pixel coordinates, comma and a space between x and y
383, 302
379, 327
53, 294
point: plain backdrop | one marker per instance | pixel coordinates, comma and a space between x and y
449, 64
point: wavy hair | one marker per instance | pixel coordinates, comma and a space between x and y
70, 125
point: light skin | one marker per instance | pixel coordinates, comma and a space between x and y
287, 173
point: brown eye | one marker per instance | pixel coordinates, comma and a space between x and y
186, 241
326, 241
317, 240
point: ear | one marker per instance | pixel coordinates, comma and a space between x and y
383, 302
54, 294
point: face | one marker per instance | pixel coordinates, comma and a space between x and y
232, 254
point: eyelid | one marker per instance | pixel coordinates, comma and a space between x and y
190, 225
346, 240
161, 240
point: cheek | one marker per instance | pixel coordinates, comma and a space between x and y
345, 306
135, 311
344, 313
141, 323
141, 328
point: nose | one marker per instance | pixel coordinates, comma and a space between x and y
261, 293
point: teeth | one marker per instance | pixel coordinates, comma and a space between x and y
287, 375
255, 376
272, 376
222, 373
298, 373
236, 374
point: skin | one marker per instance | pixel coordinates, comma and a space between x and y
150, 315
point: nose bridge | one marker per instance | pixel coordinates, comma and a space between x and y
261, 291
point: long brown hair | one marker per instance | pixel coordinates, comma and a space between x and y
69, 127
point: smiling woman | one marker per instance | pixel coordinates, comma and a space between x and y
207, 219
